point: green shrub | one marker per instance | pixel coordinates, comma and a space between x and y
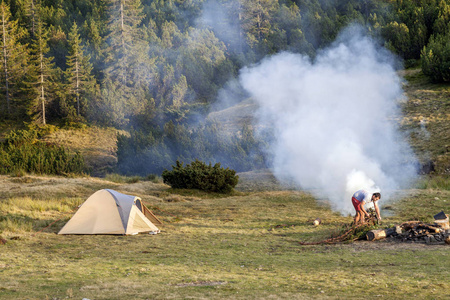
153, 178
22, 152
436, 58
200, 176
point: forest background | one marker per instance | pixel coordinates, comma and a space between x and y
155, 69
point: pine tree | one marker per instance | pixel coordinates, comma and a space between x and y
92, 33
28, 14
13, 58
125, 41
78, 72
202, 58
442, 22
41, 75
127, 61
257, 19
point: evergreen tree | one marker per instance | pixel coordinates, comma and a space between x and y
125, 42
289, 21
397, 36
436, 58
92, 32
28, 14
41, 74
442, 22
13, 60
202, 59
257, 19
78, 72
127, 55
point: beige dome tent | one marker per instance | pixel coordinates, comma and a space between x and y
110, 212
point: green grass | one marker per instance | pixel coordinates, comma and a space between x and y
435, 182
239, 246
244, 245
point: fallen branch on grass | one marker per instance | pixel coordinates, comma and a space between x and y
348, 235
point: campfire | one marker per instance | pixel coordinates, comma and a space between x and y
416, 231
411, 231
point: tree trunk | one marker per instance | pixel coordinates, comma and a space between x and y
77, 88
5, 64
42, 89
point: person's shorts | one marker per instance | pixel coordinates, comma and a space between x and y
356, 204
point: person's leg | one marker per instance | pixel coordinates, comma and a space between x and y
357, 209
362, 216
357, 217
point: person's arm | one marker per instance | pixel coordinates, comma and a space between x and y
377, 210
361, 205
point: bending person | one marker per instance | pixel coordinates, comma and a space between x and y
359, 199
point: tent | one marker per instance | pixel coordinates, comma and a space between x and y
110, 212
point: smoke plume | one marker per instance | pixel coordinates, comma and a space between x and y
224, 22
334, 119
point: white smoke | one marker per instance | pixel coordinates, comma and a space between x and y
333, 119
223, 20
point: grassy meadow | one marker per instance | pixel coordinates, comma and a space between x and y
239, 246
244, 245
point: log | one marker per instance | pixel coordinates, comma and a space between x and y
431, 228
379, 234
374, 235
410, 225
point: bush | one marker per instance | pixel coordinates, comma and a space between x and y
23, 152
436, 58
200, 176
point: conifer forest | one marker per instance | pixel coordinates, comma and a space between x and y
155, 67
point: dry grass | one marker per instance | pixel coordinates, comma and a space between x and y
427, 119
240, 246
97, 145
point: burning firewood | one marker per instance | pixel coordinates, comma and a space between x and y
416, 231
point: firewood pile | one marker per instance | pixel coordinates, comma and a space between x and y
416, 231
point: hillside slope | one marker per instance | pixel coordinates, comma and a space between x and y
426, 119
232, 119
97, 145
